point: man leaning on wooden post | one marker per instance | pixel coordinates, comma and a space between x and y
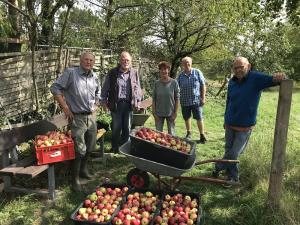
244, 90
77, 91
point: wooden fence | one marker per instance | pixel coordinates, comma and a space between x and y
16, 84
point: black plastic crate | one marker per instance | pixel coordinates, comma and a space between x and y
86, 222
158, 153
142, 190
173, 193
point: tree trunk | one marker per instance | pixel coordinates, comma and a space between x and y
32, 47
47, 24
14, 19
174, 68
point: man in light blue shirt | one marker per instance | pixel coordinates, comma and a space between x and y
77, 92
192, 96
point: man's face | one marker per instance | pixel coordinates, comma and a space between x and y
87, 61
125, 61
240, 68
187, 65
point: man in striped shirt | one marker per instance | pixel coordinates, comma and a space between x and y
192, 96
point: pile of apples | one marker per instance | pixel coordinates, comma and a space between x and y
163, 139
137, 210
52, 138
178, 209
101, 204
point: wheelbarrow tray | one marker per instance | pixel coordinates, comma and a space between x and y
139, 119
151, 166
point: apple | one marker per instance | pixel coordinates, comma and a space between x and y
145, 221
87, 202
82, 211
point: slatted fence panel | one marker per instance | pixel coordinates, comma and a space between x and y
16, 85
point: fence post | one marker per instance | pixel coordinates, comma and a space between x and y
279, 144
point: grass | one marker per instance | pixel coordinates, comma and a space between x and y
242, 205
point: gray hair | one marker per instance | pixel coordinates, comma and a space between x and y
87, 53
187, 58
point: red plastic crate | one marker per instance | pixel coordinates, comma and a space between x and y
56, 153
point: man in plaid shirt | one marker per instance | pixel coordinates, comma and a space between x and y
192, 96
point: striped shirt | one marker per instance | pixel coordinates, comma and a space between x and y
190, 86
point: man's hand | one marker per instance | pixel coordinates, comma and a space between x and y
278, 77
202, 101
69, 115
104, 106
173, 116
155, 117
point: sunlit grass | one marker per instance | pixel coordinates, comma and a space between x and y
243, 205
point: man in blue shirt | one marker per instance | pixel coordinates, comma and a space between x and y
192, 96
78, 93
243, 94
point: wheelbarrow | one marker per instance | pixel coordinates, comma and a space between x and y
139, 177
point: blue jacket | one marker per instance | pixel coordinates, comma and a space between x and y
243, 98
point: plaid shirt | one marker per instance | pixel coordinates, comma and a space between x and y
190, 86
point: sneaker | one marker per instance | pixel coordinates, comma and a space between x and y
215, 174
230, 181
202, 139
188, 135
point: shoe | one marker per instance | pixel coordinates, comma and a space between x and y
230, 181
115, 151
188, 135
202, 139
75, 169
215, 173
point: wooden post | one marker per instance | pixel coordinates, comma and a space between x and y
279, 144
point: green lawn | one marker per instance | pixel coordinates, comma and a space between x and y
243, 205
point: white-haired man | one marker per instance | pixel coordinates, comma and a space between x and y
192, 96
77, 91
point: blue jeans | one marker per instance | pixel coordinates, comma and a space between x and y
159, 124
235, 143
121, 124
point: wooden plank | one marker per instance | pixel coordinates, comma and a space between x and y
14, 101
100, 133
51, 182
279, 145
22, 111
43, 192
10, 170
32, 171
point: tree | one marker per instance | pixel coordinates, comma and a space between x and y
84, 28
48, 11
184, 28
293, 58
125, 21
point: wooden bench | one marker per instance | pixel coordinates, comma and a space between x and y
12, 166
27, 167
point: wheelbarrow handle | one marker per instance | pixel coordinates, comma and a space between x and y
216, 161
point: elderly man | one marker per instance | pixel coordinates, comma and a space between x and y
244, 91
77, 92
192, 96
121, 93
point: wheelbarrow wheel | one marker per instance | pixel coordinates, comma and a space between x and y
138, 178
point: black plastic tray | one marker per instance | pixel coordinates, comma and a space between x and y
191, 194
142, 190
162, 154
85, 222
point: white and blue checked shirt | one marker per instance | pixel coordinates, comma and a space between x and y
190, 86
